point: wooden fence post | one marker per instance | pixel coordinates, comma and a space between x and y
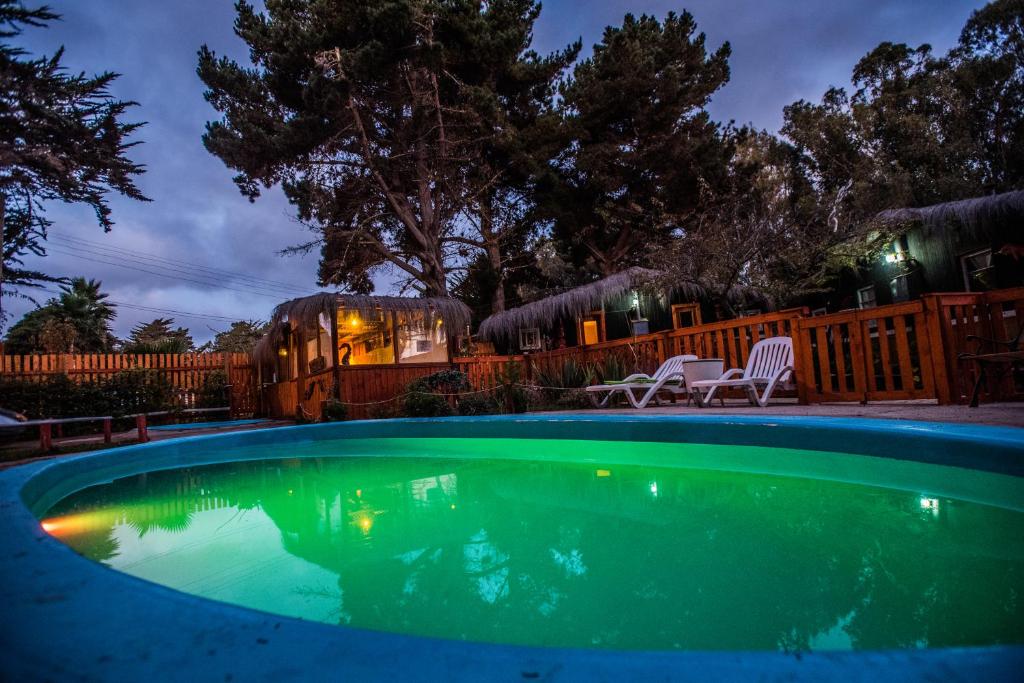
802, 363
45, 437
933, 323
140, 424
108, 432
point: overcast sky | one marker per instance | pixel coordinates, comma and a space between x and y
782, 51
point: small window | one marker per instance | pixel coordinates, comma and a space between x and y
866, 297
640, 327
900, 288
423, 346
978, 270
750, 312
529, 339
685, 315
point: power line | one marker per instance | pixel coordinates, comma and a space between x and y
154, 309
208, 278
172, 277
189, 265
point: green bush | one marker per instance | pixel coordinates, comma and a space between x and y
124, 393
426, 394
611, 368
560, 387
477, 404
509, 393
333, 411
424, 403
213, 393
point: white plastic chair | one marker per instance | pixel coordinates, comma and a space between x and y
770, 363
669, 376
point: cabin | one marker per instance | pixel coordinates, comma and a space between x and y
972, 245
317, 344
626, 304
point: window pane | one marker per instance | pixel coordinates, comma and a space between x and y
421, 338
365, 340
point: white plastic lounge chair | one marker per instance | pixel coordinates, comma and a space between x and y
667, 377
770, 362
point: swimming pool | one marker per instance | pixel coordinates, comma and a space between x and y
536, 544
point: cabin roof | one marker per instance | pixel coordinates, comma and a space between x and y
571, 303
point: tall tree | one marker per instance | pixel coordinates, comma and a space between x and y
373, 117
62, 138
241, 337
159, 336
640, 140
920, 129
77, 321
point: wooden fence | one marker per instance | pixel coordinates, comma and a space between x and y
903, 351
186, 372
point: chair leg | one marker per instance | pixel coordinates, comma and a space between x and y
978, 384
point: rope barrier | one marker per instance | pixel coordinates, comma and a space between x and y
459, 393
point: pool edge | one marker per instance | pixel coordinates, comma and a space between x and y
54, 595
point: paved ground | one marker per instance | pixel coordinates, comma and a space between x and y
1006, 414
1009, 414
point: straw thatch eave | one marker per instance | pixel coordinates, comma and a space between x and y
975, 214
305, 312
569, 304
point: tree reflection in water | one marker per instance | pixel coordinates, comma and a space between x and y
623, 557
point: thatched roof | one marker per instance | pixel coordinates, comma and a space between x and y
569, 304
973, 213
305, 311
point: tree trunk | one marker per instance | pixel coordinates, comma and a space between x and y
3, 215
492, 247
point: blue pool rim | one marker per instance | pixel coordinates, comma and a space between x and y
67, 617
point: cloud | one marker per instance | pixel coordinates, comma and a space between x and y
782, 51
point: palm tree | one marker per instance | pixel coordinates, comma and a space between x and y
78, 320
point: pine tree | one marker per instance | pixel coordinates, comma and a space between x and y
640, 141
375, 118
62, 138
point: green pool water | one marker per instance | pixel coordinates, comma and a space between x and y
590, 544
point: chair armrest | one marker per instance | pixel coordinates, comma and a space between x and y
732, 372
635, 376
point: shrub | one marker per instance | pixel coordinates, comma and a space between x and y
213, 393
610, 368
559, 387
333, 411
423, 403
425, 395
124, 393
510, 394
477, 404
